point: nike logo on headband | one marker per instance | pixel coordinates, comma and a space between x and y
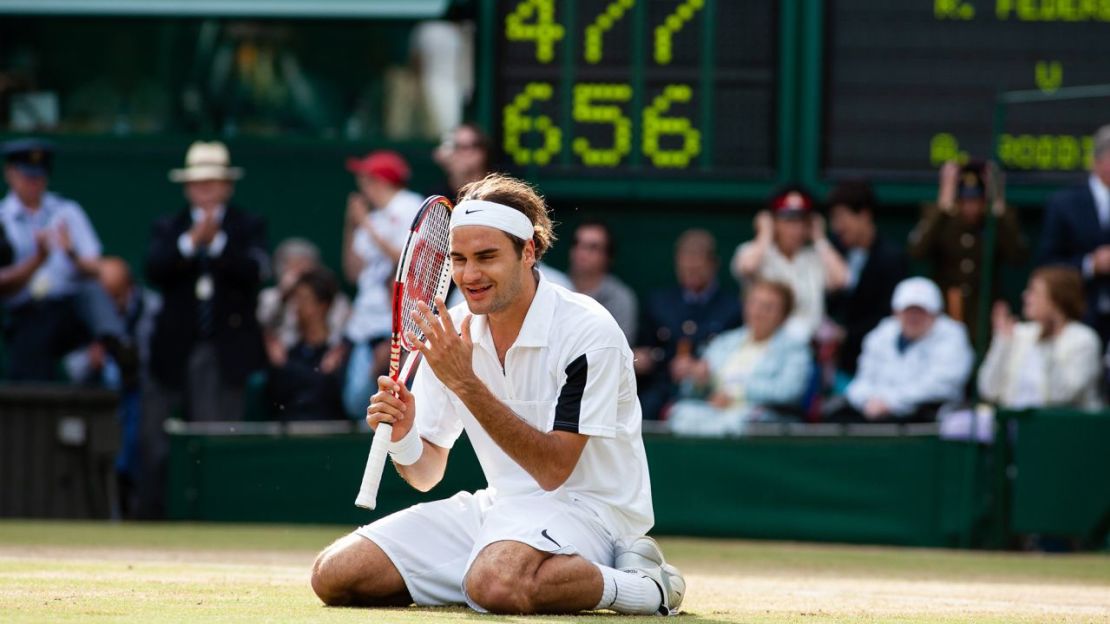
469, 211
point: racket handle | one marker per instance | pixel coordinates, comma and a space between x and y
375, 466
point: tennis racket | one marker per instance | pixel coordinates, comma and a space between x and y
423, 274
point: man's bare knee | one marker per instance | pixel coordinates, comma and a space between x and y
355, 571
503, 576
327, 581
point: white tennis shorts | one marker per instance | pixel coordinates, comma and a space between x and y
434, 544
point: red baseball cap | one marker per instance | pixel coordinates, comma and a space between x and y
791, 203
383, 164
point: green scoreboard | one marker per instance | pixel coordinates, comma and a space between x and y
912, 84
723, 99
672, 91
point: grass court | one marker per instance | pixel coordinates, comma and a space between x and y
53, 571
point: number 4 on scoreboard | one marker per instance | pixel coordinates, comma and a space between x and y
544, 30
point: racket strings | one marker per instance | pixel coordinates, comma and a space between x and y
427, 268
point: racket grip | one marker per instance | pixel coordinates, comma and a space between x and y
375, 466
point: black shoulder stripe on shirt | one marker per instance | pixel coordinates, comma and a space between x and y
569, 407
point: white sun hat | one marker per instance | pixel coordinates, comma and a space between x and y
206, 161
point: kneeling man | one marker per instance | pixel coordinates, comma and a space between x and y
541, 379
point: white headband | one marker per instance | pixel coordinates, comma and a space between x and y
494, 215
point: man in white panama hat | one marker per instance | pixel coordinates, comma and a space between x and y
208, 259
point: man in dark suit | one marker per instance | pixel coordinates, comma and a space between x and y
1076, 232
678, 322
874, 268
209, 261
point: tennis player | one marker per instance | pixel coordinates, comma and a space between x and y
541, 380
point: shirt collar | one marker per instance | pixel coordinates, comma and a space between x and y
704, 296
198, 214
16, 207
537, 324
1099, 190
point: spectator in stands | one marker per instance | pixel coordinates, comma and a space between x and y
790, 246
875, 267
591, 256
950, 237
465, 155
912, 363
137, 308
679, 321
53, 300
1076, 232
299, 385
379, 215
7, 255
1051, 359
277, 313
208, 260
757, 372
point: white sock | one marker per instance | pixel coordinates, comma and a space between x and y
628, 592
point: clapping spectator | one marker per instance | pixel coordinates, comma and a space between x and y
1076, 232
277, 309
1049, 360
137, 308
208, 260
591, 255
875, 267
379, 214
912, 363
53, 299
790, 246
950, 237
679, 321
750, 373
302, 384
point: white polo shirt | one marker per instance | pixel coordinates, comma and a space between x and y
570, 369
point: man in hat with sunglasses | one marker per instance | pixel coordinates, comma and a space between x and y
208, 259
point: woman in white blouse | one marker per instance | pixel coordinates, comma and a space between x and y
1051, 359
790, 246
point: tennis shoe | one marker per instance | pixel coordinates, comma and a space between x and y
643, 556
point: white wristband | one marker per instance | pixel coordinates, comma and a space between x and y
407, 450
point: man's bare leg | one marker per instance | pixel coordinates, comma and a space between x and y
513, 577
355, 571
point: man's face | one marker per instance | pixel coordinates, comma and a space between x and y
28, 188
115, 278
589, 255
915, 321
487, 269
461, 153
848, 225
694, 268
208, 194
971, 209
